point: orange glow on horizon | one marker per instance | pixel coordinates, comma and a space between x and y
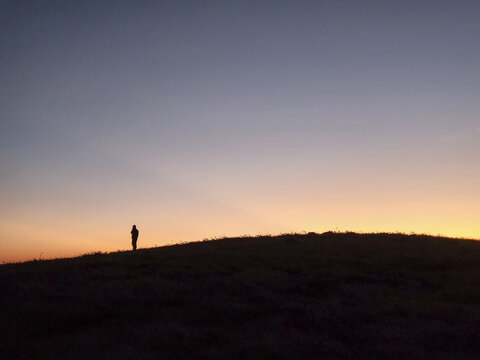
267, 203
66, 239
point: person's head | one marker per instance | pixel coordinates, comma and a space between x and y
134, 227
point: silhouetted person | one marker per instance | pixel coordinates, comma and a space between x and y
134, 233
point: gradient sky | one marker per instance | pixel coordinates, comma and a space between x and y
197, 119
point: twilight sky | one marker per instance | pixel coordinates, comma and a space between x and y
196, 119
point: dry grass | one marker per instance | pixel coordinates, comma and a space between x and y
327, 296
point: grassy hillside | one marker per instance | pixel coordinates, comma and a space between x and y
328, 296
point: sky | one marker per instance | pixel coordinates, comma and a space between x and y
202, 119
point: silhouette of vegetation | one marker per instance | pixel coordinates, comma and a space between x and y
311, 296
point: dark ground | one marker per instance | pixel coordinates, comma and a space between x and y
328, 296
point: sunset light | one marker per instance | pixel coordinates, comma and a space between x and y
199, 120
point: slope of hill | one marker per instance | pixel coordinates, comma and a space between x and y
312, 296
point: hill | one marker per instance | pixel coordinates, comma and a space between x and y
312, 296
